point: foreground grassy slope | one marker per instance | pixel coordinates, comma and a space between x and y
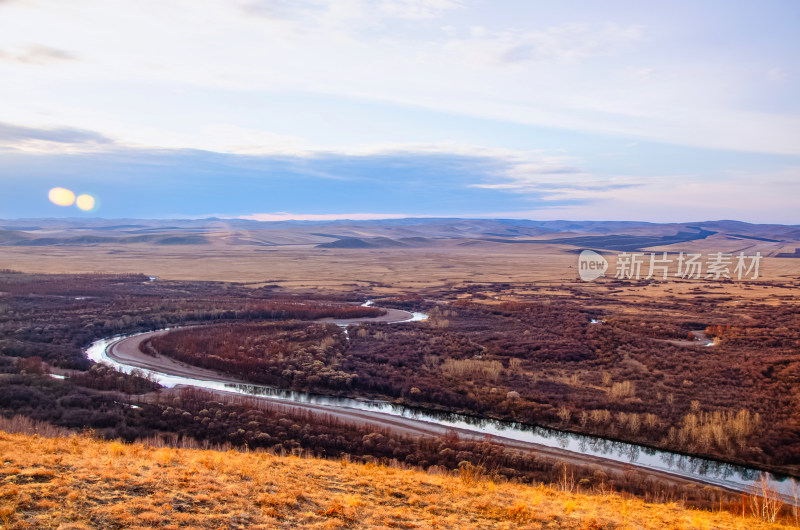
80, 482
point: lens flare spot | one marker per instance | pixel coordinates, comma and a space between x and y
85, 202
61, 196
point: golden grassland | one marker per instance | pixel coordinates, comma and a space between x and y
80, 482
383, 271
304, 267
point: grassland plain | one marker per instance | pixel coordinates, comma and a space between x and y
381, 271
399, 256
77, 481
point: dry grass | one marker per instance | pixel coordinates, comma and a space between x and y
307, 268
622, 390
721, 429
471, 368
298, 267
79, 482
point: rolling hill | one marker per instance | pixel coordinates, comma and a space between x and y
81, 482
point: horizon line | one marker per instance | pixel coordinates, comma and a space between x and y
332, 218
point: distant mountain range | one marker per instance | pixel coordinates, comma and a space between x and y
774, 240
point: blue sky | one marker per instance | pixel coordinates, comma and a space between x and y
271, 109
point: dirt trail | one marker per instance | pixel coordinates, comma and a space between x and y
700, 339
391, 316
126, 351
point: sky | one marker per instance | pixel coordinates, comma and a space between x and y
328, 109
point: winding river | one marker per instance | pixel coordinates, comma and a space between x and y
552, 442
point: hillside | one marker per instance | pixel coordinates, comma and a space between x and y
394, 255
396, 233
80, 482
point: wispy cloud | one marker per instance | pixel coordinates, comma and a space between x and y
283, 9
413, 106
285, 216
683, 198
564, 42
385, 182
555, 179
643, 74
416, 9
37, 54
60, 139
390, 182
336, 12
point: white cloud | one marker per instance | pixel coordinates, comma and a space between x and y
682, 198
36, 54
566, 42
416, 9
404, 52
285, 216
51, 140
348, 12
223, 138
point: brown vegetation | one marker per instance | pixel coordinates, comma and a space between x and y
54, 316
289, 355
530, 360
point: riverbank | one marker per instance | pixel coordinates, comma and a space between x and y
577, 449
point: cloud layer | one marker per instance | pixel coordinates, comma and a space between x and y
385, 183
647, 73
62, 139
422, 107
